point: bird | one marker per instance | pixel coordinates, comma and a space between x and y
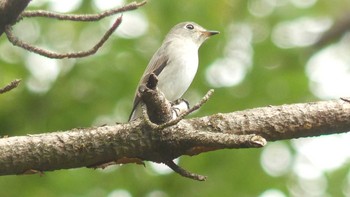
175, 63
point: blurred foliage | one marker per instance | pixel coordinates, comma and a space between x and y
99, 89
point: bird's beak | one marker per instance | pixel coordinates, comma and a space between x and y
210, 33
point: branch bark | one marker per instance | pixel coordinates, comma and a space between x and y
12, 85
93, 146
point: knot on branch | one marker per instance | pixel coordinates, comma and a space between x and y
162, 112
158, 107
170, 143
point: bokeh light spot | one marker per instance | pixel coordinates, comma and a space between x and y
65, 6
329, 71
161, 168
119, 193
261, 8
134, 25
300, 32
106, 5
231, 69
276, 159
44, 72
318, 155
272, 193
303, 3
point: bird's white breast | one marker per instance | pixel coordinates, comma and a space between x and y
178, 75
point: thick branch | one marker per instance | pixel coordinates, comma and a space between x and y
283, 122
93, 146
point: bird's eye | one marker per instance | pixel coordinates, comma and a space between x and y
189, 26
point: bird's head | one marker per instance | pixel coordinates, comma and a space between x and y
191, 31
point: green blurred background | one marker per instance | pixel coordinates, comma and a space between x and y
265, 55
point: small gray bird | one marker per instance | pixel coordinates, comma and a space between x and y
175, 63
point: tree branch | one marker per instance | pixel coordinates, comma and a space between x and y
17, 42
338, 29
184, 173
82, 17
13, 84
6, 26
94, 146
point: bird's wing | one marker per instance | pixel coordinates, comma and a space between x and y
156, 65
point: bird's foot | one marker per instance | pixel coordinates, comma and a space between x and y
179, 107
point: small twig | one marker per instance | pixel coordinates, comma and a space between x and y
15, 41
345, 99
73, 17
13, 84
336, 31
192, 109
199, 104
81, 17
184, 172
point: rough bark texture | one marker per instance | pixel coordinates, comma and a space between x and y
9, 11
283, 122
93, 146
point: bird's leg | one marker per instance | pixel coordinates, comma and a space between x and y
179, 107
192, 109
